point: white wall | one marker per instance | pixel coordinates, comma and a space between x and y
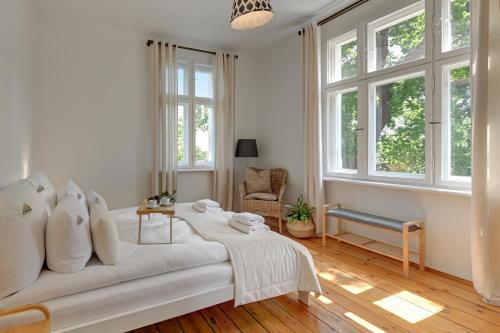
279, 118
92, 117
279, 126
16, 65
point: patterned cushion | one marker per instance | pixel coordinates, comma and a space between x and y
262, 196
258, 180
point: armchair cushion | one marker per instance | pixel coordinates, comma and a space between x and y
258, 181
262, 196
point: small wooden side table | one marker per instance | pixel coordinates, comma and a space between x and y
42, 326
168, 211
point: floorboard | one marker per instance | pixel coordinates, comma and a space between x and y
362, 292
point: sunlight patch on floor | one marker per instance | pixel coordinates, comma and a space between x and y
366, 324
346, 281
324, 299
399, 305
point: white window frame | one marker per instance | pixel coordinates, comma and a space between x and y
335, 56
191, 100
432, 64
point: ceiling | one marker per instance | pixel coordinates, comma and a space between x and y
203, 22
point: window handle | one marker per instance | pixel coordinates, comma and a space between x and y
360, 129
436, 123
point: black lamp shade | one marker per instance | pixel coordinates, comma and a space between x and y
247, 148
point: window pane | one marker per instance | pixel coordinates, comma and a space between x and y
204, 141
182, 79
398, 39
343, 57
460, 121
456, 24
348, 105
203, 81
182, 135
400, 126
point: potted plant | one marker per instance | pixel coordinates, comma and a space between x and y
300, 222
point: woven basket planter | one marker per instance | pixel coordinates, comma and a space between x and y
301, 229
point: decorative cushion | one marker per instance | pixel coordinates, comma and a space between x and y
43, 186
258, 180
68, 241
23, 216
94, 198
262, 196
71, 188
104, 235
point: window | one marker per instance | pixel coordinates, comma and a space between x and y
398, 126
195, 115
343, 113
455, 24
397, 38
343, 52
399, 112
457, 122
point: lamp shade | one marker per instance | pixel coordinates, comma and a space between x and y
247, 148
249, 14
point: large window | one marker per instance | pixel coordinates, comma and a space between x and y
195, 115
401, 111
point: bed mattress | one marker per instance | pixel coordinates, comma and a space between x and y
136, 262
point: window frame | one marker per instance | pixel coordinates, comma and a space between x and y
432, 64
335, 72
191, 100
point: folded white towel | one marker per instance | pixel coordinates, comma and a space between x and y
248, 229
207, 203
207, 209
249, 218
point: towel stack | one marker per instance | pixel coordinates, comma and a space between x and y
248, 223
207, 206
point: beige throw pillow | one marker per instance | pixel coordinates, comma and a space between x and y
258, 180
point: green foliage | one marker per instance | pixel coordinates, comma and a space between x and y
349, 59
300, 211
201, 124
349, 123
460, 23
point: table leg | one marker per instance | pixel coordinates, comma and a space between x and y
171, 219
140, 229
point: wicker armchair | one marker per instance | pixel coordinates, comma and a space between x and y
271, 208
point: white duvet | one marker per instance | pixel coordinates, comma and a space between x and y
265, 265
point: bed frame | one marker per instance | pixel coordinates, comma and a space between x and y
162, 311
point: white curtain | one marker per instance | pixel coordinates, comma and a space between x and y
313, 178
485, 221
224, 108
163, 76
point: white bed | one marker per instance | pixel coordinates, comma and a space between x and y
151, 283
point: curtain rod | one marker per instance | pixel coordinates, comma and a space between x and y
150, 41
339, 13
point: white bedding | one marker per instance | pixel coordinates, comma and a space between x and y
265, 265
136, 261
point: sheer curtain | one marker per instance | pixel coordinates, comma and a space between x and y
163, 97
224, 106
485, 220
313, 178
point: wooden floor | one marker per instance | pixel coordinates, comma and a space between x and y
362, 292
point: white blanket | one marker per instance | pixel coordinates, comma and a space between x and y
265, 265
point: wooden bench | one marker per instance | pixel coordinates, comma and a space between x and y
405, 228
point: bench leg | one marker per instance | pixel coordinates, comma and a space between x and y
406, 251
304, 297
421, 248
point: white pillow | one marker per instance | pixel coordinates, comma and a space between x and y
71, 188
23, 216
94, 198
68, 242
104, 235
43, 186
